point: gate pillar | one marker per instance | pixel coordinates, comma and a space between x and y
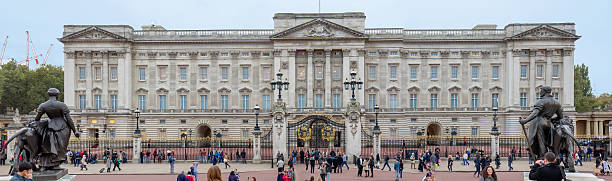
279, 129
256, 146
353, 134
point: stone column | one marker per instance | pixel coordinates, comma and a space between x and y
328, 86
595, 128
532, 75
256, 146
601, 127
310, 79
11, 130
353, 130
376, 143
279, 129
588, 128
136, 147
494, 143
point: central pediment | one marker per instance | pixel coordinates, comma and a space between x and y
319, 29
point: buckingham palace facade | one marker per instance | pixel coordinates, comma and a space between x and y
425, 80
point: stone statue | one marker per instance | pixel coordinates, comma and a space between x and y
55, 132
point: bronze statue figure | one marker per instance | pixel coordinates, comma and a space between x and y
545, 111
549, 129
55, 132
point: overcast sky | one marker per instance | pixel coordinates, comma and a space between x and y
45, 18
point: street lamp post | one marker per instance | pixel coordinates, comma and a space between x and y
353, 84
137, 131
494, 128
376, 110
279, 84
256, 108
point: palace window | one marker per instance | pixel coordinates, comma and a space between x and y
245, 73
434, 54
453, 119
266, 73
163, 72
475, 54
245, 99
82, 75
203, 101
434, 72
413, 100
414, 54
556, 96
319, 100
539, 71
371, 101
82, 102
203, 73
555, 71
413, 72
162, 102
393, 121
224, 73
474, 100
142, 102
495, 100
183, 73
266, 102
98, 101
454, 72
142, 74
495, 54
455, 54
301, 72
372, 53
475, 70
142, 54
245, 54
319, 72
336, 72
372, 72
393, 72
265, 54
245, 121
225, 54
113, 100
301, 101
523, 99
224, 102
523, 71
454, 100
162, 54
414, 120
224, 121
113, 73
475, 131
495, 73
203, 54
392, 101
98, 73
162, 121
245, 133
393, 53
336, 100
182, 102
183, 121
434, 100
183, 54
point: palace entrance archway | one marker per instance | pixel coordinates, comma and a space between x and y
203, 131
434, 134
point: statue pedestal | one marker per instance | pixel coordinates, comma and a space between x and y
50, 174
136, 147
256, 146
571, 176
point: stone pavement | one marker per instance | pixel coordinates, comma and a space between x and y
263, 171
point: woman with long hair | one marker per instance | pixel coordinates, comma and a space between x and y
488, 174
213, 174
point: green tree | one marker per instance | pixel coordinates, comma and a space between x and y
583, 95
25, 89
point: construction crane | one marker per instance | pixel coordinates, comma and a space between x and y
3, 48
47, 55
30, 47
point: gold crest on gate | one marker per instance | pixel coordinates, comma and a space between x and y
304, 133
328, 133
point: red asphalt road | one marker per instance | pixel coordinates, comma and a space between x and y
303, 175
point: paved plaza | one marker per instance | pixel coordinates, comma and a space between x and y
152, 172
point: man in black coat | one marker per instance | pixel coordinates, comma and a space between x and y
359, 166
547, 170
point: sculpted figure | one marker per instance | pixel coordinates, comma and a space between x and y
54, 132
541, 130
